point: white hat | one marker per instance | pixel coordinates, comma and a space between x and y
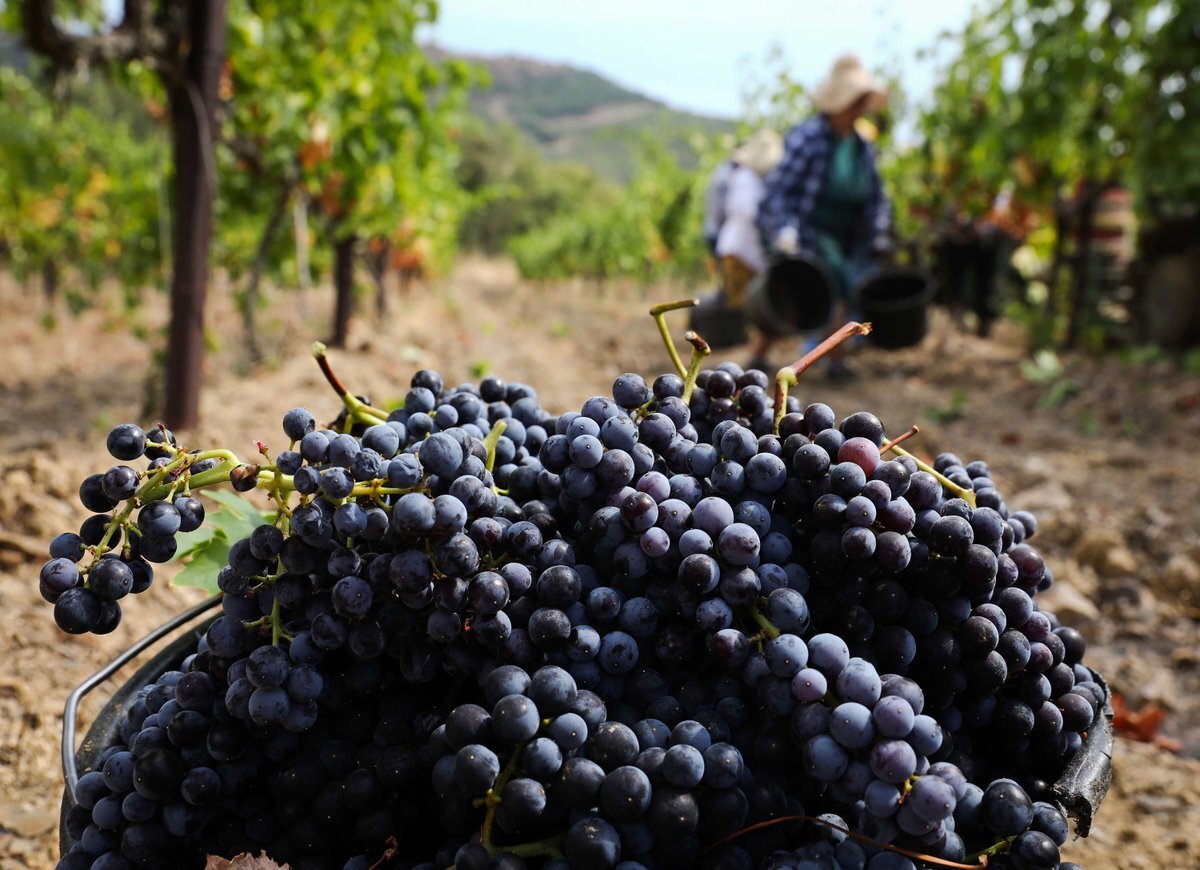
761, 152
847, 81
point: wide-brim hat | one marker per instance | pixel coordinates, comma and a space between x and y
846, 83
761, 152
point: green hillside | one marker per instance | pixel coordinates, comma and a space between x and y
578, 116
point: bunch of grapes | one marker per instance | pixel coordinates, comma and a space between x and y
681, 627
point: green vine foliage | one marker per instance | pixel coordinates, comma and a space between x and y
79, 185
339, 100
1043, 96
336, 102
646, 232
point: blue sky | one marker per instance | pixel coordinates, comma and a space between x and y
698, 54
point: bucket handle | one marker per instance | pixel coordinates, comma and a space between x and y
70, 711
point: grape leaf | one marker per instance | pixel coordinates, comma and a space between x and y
205, 551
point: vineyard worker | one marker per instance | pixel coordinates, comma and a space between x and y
739, 247
715, 196
825, 197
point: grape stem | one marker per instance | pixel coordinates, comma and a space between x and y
492, 800
700, 352
941, 862
148, 491
965, 494
786, 377
356, 408
994, 849
904, 436
551, 847
769, 629
658, 312
276, 623
490, 442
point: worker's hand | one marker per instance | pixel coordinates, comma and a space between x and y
787, 241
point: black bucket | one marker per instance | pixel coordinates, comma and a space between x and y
894, 302
792, 295
717, 322
1079, 791
105, 730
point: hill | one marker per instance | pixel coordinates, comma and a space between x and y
576, 115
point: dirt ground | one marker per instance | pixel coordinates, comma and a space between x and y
1104, 453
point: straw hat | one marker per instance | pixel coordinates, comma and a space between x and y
847, 81
761, 152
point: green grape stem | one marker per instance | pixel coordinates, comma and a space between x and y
154, 488
769, 629
492, 800
965, 494
700, 352
658, 312
490, 442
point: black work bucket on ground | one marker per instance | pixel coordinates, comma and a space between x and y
894, 302
792, 295
717, 322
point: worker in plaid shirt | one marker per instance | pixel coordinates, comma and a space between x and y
825, 197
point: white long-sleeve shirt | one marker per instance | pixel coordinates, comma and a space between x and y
715, 197
739, 233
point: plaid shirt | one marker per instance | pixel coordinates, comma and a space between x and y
794, 186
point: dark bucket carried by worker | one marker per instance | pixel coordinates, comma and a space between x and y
792, 295
716, 321
895, 302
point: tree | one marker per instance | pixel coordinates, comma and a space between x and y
1060, 101
338, 102
184, 43
78, 179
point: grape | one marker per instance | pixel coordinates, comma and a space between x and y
515, 719
893, 716
625, 794
824, 759
120, 482
641, 614
932, 798
1005, 808
475, 769
77, 610
126, 442
592, 844
893, 761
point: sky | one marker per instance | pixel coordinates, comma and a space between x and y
698, 55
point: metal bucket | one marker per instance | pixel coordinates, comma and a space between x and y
105, 730
1079, 790
792, 295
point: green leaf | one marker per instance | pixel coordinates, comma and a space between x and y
239, 506
203, 565
206, 551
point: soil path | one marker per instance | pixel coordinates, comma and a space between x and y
1104, 453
